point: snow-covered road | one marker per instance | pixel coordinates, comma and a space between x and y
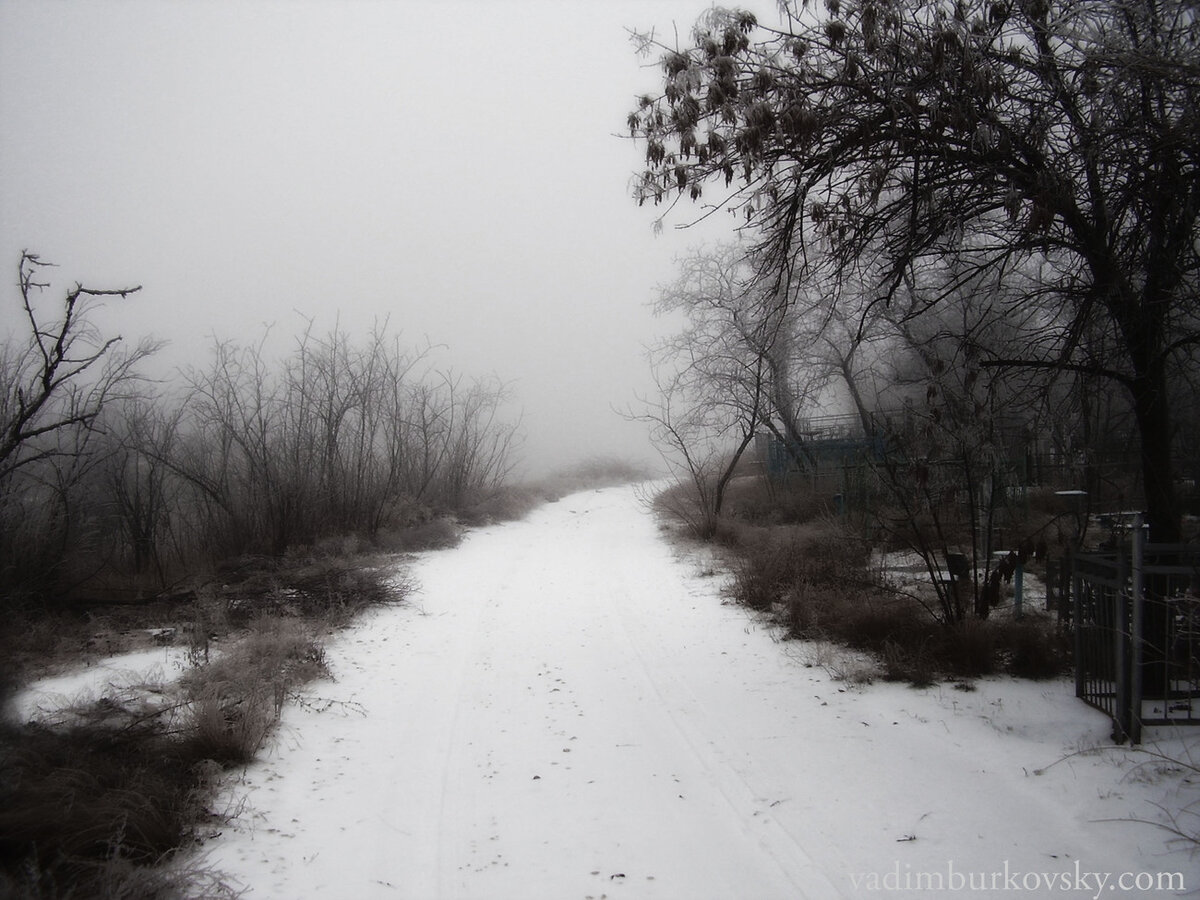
568, 710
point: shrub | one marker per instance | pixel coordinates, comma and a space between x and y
682, 503
91, 806
1033, 648
230, 724
439, 533
505, 504
908, 661
332, 588
764, 573
795, 563
74, 800
597, 472
235, 700
843, 664
968, 648
763, 502
817, 579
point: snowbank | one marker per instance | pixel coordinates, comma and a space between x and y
138, 671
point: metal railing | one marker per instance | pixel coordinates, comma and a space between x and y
1136, 617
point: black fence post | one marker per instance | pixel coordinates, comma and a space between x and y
1076, 606
1137, 590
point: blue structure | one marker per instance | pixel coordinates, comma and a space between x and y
830, 443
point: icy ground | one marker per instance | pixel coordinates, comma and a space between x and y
568, 710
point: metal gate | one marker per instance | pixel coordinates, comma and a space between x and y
1136, 617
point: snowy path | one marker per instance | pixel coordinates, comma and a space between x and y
567, 710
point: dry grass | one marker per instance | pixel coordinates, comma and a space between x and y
757, 500
100, 803
841, 663
590, 474
332, 589
96, 807
814, 575
95, 811
438, 533
681, 503
510, 503
235, 700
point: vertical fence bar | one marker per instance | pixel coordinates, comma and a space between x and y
1077, 605
1120, 635
1121, 709
1018, 589
1137, 599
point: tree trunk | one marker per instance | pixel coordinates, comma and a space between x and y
1143, 330
860, 405
1152, 410
727, 475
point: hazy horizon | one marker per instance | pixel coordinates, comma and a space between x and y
457, 170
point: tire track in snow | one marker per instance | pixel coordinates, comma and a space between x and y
561, 744
521, 740
568, 711
706, 741
464, 664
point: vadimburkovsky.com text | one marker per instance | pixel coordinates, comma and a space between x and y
1073, 881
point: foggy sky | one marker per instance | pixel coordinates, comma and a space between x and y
454, 167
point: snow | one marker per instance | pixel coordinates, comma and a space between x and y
50, 699
567, 709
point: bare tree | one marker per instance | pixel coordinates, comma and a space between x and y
1061, 133
63, 374
138, 482
57, 380
337, 437
701, 440
719, 378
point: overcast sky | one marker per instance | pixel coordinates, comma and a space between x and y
456, 167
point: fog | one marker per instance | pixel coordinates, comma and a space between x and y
454, 168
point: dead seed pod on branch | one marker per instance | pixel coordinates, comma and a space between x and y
687, 142
686, 113
674, 63
723, 67
868, 21
944, 42
764, 81
715, 98
746, 21
760, 117
800, 122
734, 41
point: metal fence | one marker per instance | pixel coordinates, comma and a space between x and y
1136, 617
